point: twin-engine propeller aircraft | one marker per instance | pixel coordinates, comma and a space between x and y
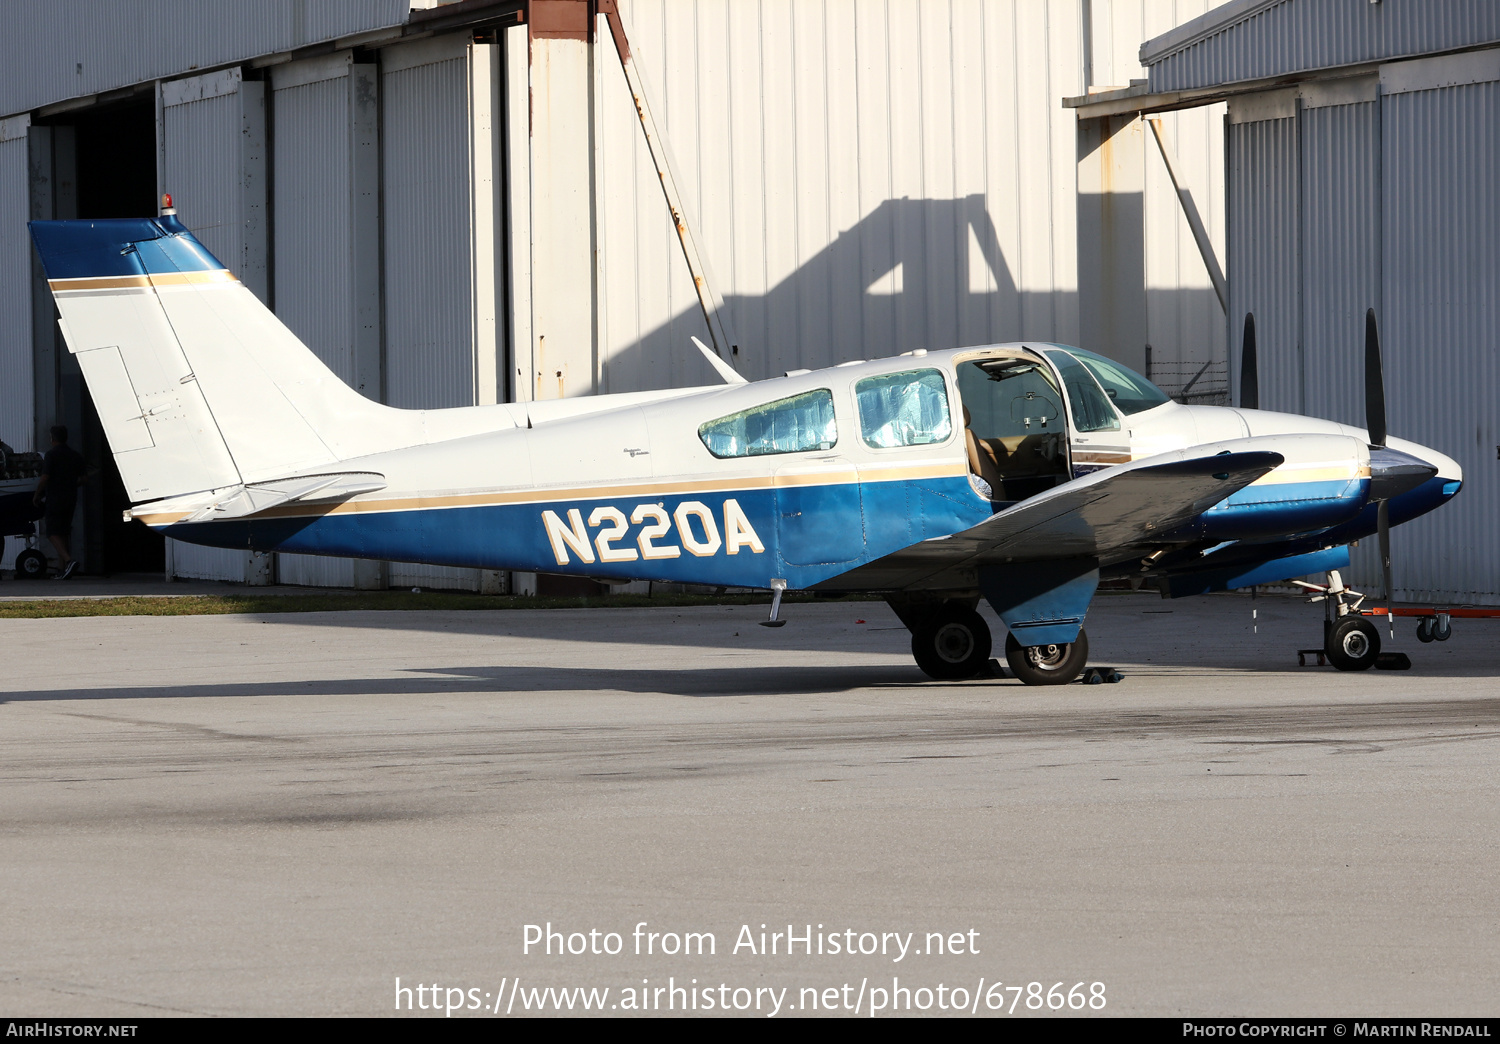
1021, 473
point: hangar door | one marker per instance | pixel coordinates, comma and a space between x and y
1377, 191
214, 165
442, 171
16, 420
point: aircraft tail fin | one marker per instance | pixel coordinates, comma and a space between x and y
198, 385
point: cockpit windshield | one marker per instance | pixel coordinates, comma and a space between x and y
1128, 390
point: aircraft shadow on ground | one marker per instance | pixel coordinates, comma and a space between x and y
709, 683
1349, 727
703, 682
1116, 637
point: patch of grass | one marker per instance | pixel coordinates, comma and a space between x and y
210, 605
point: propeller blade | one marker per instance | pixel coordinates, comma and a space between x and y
1383, 527
1374, 383
1391, 473
1249, 375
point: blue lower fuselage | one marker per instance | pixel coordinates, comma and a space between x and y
805, 534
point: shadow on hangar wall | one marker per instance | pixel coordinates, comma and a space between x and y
831, 308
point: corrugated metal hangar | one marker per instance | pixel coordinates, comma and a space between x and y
1361, 150
455, 203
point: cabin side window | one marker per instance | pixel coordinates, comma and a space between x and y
903, 409
794, 425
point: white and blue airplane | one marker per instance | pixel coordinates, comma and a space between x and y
1020, 473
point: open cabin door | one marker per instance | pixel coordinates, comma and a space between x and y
1015, 420
1096, 437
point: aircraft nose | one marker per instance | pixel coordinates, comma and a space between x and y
1393, 472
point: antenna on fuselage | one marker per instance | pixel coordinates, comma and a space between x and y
724, 370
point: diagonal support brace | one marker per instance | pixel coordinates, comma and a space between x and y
708, 299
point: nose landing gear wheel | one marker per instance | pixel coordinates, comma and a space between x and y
31, 564
951, 645
1353, 644
1047, 664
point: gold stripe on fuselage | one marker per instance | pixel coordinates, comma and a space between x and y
1313, 473
1321, 472
422, 502
1286, 473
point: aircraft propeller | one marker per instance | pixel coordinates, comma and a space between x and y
1391, 471
1374, 383
1249, 375
1375, 425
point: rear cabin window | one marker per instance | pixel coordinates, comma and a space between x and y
903, 409
802, 422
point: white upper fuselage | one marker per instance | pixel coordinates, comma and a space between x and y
639, 440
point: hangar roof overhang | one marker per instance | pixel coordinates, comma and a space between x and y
70, 54
1248, 46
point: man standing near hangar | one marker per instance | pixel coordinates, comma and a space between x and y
63, 471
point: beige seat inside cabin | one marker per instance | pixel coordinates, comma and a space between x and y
982, 458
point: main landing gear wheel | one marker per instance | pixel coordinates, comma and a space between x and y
1047, 664
31, 564
952, 644
1353, 644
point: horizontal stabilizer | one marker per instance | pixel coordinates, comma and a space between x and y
255, 497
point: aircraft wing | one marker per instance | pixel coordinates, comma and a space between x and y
1089, 517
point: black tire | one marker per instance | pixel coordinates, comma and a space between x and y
952, 644
31, 564
1353, 644
1047, 664
1425, 627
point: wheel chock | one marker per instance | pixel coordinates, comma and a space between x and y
1393, 661
1303, 654
994, 669
1101, 676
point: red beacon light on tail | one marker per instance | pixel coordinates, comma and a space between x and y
166, 204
